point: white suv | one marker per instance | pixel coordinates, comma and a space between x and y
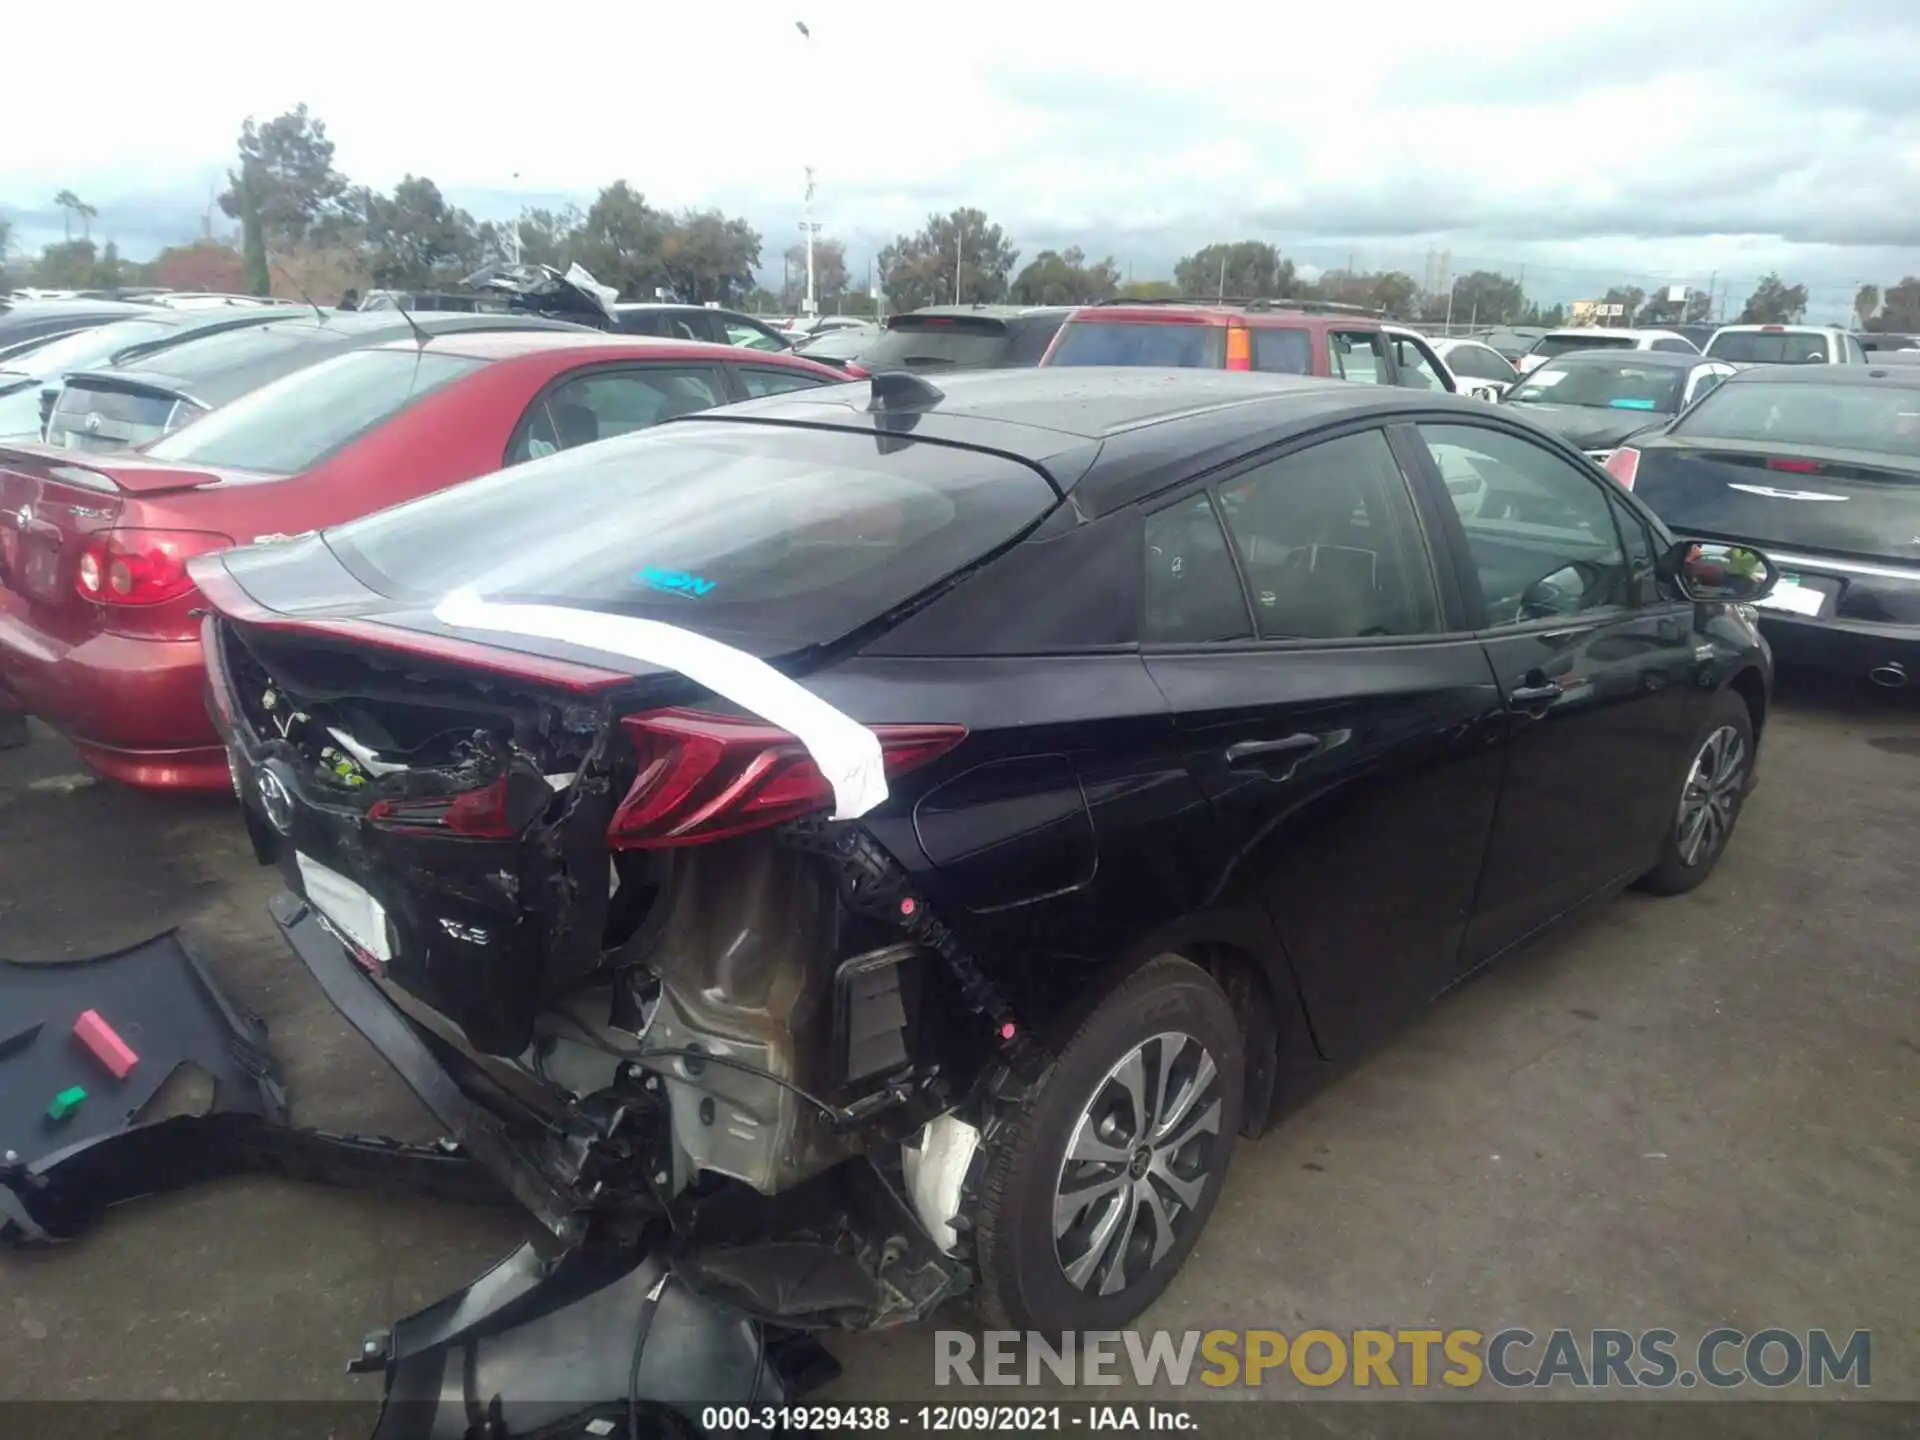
1785, 345
1595, 337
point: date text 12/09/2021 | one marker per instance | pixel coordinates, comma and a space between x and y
945, 1419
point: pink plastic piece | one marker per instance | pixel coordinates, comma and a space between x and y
107, 1047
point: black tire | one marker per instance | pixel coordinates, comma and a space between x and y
1023, 1282
1677, 871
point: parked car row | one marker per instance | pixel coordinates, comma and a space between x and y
984, 756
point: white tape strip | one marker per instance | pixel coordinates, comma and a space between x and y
847, 752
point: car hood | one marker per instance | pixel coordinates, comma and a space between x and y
1589, 426
543, 290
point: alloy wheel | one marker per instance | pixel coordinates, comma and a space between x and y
1710, 796
1140, 1158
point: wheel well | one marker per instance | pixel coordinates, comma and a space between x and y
1751, 688
1250, 992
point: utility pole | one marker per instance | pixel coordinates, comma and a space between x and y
1712, 280
959, 258
811, 305
1223, 274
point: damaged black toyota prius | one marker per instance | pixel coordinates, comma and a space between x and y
853, 849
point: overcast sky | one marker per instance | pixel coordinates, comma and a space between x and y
1661, 142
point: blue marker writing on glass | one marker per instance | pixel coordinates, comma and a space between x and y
673, 582
1632, 404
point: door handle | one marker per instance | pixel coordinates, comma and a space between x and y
1525, 695
1259, 754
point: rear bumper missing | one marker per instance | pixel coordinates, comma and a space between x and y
511, 1155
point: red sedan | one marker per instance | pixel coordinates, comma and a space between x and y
97, 630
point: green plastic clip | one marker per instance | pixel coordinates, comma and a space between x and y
66, 1102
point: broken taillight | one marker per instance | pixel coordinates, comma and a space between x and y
472, 814
142, 567
705, 777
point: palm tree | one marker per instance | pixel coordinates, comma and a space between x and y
68, 203
86, 213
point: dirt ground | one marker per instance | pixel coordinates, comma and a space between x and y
1681, 1113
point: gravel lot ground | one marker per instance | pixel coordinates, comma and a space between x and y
1681, 1113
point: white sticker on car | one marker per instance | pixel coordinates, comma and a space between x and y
847, 752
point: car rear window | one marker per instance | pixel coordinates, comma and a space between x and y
1619, 384
88, 347
1173, 345
298, 420
765, 533
937, 342
1552, 345
1770, 347
1883, 419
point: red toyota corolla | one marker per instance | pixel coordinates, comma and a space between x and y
97, 630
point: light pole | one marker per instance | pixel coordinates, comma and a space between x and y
809, 306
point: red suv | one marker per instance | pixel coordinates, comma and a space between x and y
1292, 337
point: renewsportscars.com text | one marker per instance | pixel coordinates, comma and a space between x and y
1391, 1359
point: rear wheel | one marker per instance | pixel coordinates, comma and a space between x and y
1096, 1189
1708, 806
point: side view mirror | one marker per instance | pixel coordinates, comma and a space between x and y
1711, 570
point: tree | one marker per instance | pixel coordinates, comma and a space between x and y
72, 207
707, 256
1148, 290
1628, 298
1866, 301
1773, 302
1900, 308
1056, 277
68, 265
417, 239
1693, 309
6, 248
253, 240
204, 265
619, 241
955, 257
1484, 297
1247, 269
109, 271
1391, 291
547, 237
295, 185
829, 274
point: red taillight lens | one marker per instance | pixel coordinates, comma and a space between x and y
142, 567
704, 777
472, 815
1239, 348
1623, 465
1796, 467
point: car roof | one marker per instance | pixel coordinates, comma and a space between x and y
1872, 373
1631, 332
990, 312
213, 376
1821, 329
1295, 313
1140, 424
509, 344
1673, 359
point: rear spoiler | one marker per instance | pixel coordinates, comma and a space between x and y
109, 474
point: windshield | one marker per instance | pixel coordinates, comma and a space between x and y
85, 349
764, 532
933, 342
299, 420
1884, 419
1170, 344
1770, 347
1605, 384
1552, 345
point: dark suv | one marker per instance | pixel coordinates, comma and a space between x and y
1291, 337
965, 337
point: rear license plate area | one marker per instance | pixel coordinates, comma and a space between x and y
349, 908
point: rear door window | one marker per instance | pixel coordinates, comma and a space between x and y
1032, 334
1193, 593
1283, 351
1330, 543
1359, 355
1174, 345
1477, 362
749, 533
758, 382
605, 403
295, 422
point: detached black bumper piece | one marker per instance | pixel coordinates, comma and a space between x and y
585, 1344
85, 1045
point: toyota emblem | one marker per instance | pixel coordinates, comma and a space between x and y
276, 801
93, 422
